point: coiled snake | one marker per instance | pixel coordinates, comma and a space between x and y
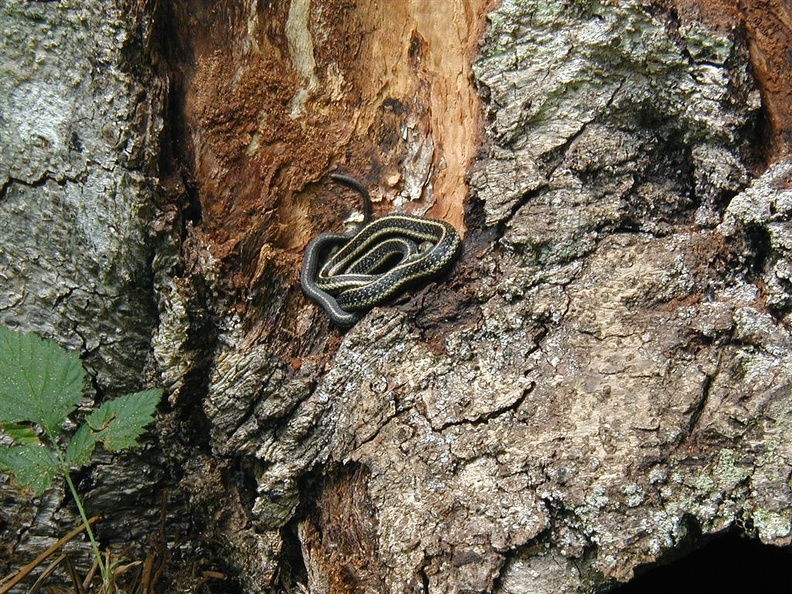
347, 273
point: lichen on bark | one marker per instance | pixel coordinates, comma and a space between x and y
601, 375
76, 153
80, 117
626, 384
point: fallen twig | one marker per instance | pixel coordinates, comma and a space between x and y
23, 573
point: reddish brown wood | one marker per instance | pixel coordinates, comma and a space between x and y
767, 25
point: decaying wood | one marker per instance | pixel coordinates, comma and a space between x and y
602, 378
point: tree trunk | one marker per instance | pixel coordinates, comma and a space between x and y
602, 379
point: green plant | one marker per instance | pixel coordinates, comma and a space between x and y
40, 386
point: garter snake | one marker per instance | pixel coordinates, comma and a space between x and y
347, 273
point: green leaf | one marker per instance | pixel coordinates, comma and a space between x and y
40, 382
33, 466
81, 446
20, 433
119, 422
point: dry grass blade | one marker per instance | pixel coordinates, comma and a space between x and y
89, 578
47, 573
25, 571
147, 576
154, 563
72, 571
206, 576
122, 569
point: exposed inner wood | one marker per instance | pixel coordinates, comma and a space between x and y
768, 25
273, 96
417, 56
276, 97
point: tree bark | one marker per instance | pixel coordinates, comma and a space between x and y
80, 117
601, 380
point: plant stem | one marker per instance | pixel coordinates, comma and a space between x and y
94, 544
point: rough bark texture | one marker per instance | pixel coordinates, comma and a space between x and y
80, 115
76, 137
602, 379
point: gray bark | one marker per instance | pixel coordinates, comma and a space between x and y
75, 150
603, 378
79, 123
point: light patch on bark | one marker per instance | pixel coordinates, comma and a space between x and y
301, 51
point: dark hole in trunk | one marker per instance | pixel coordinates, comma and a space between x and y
729, 563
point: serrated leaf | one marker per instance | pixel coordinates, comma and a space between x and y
20, 433
119, 422
40, 382
33, 466
81, 446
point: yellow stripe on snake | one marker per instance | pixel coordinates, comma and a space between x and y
347, 273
